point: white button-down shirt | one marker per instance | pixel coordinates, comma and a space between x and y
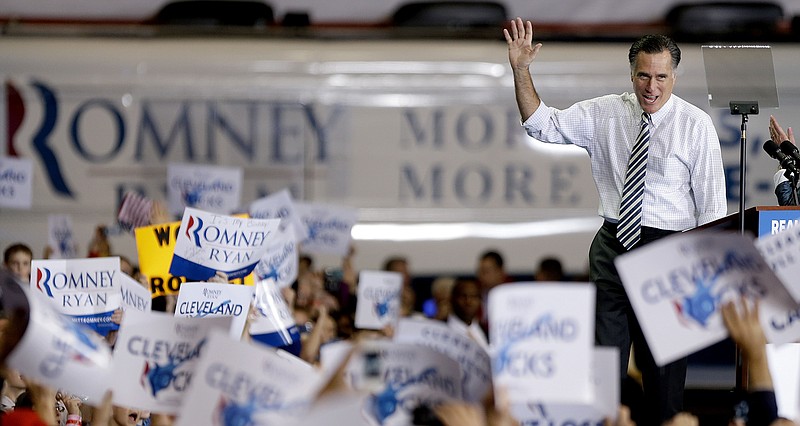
685, 182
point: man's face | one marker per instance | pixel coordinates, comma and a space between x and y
653, 79
467, 301
489, 274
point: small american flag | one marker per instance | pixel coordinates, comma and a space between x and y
134, 211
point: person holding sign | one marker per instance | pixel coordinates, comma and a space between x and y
673, 181
783, 187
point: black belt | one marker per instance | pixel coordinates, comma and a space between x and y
648, 232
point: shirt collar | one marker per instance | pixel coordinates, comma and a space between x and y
657, 117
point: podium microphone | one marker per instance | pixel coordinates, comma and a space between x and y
789, 149
774, 151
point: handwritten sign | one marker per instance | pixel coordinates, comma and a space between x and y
328, 227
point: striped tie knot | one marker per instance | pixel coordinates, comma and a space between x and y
629, 228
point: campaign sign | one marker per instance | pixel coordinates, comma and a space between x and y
155, 357
328, 227
606, 389
541, 347
134, 294
784, 367
198, 300
280, 261
279, 205
16, 182
476, 366
237, 384
378, 299
53, 350
401, 377
273, 324
782, 253
677, 285
155, 245
209, 242
60, 237
85, 289
209, 188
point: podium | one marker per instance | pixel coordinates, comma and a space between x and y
759, 220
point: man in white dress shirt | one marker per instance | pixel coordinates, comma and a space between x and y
465, 304
682, 174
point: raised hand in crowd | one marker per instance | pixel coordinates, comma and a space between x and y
745, 329
777, 134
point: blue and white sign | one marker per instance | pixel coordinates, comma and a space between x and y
238, 384
155, 357
280, 261
54, 350
541, 347
405, 376
208, 243
135, 295
328, 227
476, 366
782, 253
678, 284
378, 299
606, 386
210, 188
281, 206
88, 290
16, 183
60, 237
273, 324
200, 300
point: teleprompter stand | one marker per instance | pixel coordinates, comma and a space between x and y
740, 77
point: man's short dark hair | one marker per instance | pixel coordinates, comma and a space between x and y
655, 43
13, 249
494, 256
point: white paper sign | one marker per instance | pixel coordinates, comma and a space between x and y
541, 347
134, 294
199, 300
88, 290
210, 188
155, 357
60, 237
678, 284
237, 383
209, 242
378, 299
54, 350
405, 377
16, 182
280, 261
273, 324
606, 387
328, 227
784, 367
476, 366
782, 253
279, 205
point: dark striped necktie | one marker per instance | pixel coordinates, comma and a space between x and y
629, 228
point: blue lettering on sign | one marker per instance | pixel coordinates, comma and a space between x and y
383, 404
786, 320
693, 289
